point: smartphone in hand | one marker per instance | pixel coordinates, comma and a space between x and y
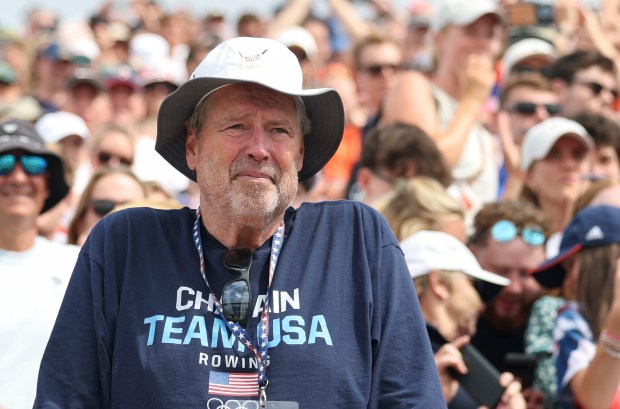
522, 366
482, 379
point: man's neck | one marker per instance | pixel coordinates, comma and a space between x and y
18, 235
240, 232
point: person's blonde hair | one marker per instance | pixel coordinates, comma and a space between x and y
446, 277
417, 204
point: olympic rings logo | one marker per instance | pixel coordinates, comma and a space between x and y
232, 404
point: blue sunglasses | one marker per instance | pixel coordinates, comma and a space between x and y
32, 165
504, 231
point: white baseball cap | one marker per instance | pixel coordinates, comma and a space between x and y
297, 36
55, 126
526, 48
261, 61
427, 251
463, 13
540, 138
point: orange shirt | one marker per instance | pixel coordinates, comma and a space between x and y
348, 154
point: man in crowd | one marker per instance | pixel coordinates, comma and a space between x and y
585, 81
34, 270
242, 299
509, 240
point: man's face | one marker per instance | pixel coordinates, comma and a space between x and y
378, 64
527, 106
22, 195
511, 307
606, 163
249, 152
593, 90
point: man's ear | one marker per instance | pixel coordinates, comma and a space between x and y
191, 146
363, 178
437, 287
300, 158
559, 87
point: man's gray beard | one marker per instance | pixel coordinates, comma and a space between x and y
253, 200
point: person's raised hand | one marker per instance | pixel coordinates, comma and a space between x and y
449, 356
477, 79
512, 398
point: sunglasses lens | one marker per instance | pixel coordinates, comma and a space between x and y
533, 236
106, 158
378, 69
553, 109
7, 164
33, 165
236, 301
504, 231
239, 260
525, 108
103, 207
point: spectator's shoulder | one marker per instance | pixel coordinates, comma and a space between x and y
348, 215
341, 207
147, 214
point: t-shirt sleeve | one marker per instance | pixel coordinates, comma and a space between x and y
399, 335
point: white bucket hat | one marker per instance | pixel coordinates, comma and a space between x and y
261, 61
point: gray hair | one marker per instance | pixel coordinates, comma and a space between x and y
197, 120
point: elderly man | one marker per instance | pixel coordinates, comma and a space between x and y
245, 298
34, 271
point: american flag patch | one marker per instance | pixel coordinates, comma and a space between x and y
233, 384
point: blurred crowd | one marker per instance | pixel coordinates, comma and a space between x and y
496, 123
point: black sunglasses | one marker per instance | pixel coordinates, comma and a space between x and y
377, 69
102, 207
236, 295
529, 108
106, 157
597, 88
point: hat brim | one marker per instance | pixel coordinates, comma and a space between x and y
551, 273
323, 106
489, 277
58, 187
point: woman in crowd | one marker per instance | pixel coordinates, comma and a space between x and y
587, 330
108, 188
448, 105
556, 159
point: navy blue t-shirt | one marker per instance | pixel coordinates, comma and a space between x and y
138, 328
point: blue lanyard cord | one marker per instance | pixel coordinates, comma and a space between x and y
263, 339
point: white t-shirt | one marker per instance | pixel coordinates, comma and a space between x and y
32, 286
